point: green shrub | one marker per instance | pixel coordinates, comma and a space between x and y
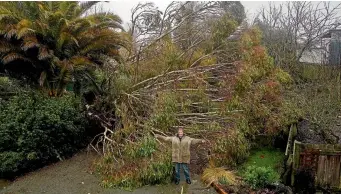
10, 87
259, 177
164, 116
147, 148
133, 174
36, 130
157, 173
231, 149
10, 161
144, 148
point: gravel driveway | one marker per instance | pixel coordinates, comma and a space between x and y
72, 177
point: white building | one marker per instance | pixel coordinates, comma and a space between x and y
328, 51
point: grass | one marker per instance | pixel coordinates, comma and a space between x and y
265, 157
218, 175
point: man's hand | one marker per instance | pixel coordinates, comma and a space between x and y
203, 141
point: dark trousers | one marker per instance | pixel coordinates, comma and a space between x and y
178, 167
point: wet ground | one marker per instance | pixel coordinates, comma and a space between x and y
73, 176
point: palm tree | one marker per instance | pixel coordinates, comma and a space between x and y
57, 42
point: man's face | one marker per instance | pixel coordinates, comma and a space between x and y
180, 132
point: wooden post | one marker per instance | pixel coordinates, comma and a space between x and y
295, 160
292, 133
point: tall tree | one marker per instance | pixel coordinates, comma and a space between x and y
54, 43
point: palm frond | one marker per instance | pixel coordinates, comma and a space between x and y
11, 33
66, 69
63, 6
101, 39
24, 32
106, 17
65, 38
62, 23
44, 53
81, 62
43, 6
108, 24
78, 26
42, 28
8, 18
29, 42
5, 47
12, 57
70, 11
86, 6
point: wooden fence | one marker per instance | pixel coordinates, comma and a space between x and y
324, 160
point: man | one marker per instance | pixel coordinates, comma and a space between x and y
181, 152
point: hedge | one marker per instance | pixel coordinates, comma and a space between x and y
36, 130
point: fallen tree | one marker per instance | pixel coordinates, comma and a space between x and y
228, 98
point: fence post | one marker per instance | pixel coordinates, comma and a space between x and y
295, 160
292, 134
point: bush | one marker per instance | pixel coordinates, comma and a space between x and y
36, 130
157, 173
10, 162
164, 112
137, 172
10, 87
231, 149
142, 149
259, 177
259, 91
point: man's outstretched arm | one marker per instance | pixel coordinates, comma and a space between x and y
195, 141
164, 138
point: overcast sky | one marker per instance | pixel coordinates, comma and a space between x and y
123, 7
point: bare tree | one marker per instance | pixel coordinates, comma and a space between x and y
292, 28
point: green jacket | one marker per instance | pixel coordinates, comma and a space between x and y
181, 149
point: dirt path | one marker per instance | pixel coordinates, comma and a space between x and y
72, 177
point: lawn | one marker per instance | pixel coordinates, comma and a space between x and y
265, 157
